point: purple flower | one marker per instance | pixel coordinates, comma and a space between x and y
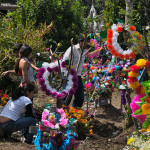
75, 85
64, 93
75, 79
50, 69
123, 97
47, 49
41, 71
54, 94
56, 69
63, 64
72, 91
47, 92
60, 96
38, 76
43, 88
73, 72
41, 82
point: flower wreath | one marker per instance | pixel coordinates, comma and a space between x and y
49, 120
47, 69
113, 45
134, 73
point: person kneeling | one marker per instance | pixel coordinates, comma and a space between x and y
12, 118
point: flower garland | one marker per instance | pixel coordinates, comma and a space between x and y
134, 73
49, 119
47, 69
113, 45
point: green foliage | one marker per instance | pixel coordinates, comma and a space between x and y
66, 15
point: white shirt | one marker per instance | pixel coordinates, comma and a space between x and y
14, 109
76, 56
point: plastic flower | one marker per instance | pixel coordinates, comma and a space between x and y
135, 107
145, 109
133, 74
45, 114
141, 63
61, 111
134, 85
130, 140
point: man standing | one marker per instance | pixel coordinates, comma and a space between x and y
78, 51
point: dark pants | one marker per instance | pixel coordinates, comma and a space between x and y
79, 95
20, 124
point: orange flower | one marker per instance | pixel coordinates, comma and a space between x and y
143, 130
148, 129
146, 109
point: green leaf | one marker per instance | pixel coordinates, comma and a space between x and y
72, 121
138, 112
119, 20
146, 124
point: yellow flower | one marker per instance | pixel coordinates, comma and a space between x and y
145, 109
130, 140
141, 63
133, 74
134, 85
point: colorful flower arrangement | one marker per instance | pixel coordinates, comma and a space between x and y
47, 69
140, 140
95, 53
3, 98
134, 73
113, 45
142, 111
81, 119
54, 132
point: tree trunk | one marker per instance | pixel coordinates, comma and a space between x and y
129, 8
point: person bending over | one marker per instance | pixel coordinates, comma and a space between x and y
12, 118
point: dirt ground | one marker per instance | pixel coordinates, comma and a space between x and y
109, 132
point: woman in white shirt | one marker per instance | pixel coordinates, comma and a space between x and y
20, 103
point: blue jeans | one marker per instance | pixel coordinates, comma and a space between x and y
22, 123
78, 96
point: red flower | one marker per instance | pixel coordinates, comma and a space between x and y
110, 31
119, 29
120, 56
148, 64
109, 36
127, 56
132, 55
132, 28
132, 79
112, 51
109, 41
109, 46
134, 68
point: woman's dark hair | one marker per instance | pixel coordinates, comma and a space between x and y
25, 51
22, 91
17, 47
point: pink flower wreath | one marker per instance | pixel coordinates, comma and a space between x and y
47, 69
